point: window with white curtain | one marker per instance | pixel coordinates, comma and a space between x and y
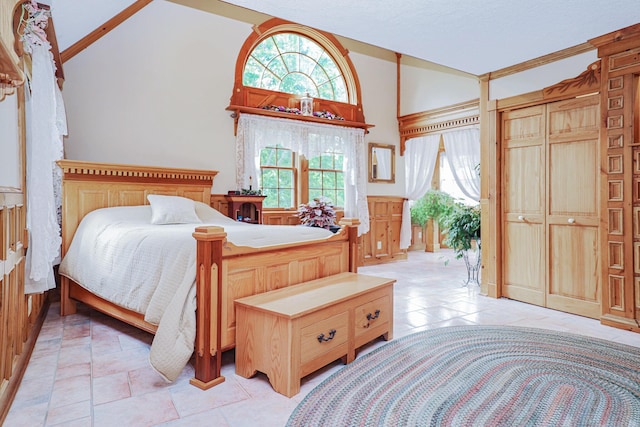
448, 183
341, 152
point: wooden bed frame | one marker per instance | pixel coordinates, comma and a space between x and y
224, 272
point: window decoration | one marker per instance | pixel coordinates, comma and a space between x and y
326, 177
336, 153
293, 63
281, 63
278, 177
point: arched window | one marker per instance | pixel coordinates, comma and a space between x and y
280, 62
293, 63
296, 161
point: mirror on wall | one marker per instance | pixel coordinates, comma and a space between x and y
382, 162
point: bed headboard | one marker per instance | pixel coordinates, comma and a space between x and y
87, 186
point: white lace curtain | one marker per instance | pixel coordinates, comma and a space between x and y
419, 163
463, 154
45, 126
309, 139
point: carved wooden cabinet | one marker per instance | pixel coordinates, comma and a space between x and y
620, 184
382, 242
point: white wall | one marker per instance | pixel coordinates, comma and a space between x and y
426, 88
154, 92
540, 77
9, 144
379, 103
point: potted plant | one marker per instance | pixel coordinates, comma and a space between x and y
429, 212
463, 236
318, 213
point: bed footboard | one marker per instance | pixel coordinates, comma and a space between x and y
225, 274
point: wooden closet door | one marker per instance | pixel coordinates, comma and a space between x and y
523, 180
572, 218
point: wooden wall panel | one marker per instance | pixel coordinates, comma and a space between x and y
382, 243
18, 326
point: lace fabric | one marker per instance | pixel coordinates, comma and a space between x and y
309, 139
46, 125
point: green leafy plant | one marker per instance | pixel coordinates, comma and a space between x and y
435, 204
462, 227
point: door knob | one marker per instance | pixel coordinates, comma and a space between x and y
520, 218
571, 220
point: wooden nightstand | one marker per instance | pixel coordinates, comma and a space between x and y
244, 206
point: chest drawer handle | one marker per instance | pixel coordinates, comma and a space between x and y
373, 316
321, 337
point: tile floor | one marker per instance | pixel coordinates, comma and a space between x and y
90, 370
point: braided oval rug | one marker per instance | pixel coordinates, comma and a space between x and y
482, 376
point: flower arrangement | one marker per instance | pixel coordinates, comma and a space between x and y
327, 115
317, 213
282, 109
293, 110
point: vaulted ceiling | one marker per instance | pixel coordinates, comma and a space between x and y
468, 35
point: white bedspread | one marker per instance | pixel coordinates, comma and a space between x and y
119, 255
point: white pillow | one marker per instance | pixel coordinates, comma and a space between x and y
172, 210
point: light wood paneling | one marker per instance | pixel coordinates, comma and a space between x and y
382, 242
523, 203
551, 206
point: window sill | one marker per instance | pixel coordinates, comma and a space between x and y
239, 109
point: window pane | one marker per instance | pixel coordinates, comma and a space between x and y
298, 84
268, 157
326, 161
286, 178
311, 49
278, 67
269, 178
340, 89
271, 200
315, 180
340, 197
292, 63
286, 199
339, 179
329, 180
269, 81
285, 158
252, 73
316, 193
314, 163
287, 42
265, 51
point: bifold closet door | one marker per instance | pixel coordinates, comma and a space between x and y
573, 206
551, 205
523, 181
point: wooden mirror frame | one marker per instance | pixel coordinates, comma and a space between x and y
373, 146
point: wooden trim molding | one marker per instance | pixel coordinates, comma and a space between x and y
585, 83
74, 169
96, 34
539, 61
438, 120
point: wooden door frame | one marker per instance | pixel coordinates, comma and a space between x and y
491, 162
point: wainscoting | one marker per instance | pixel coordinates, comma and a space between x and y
382, 242
21, 315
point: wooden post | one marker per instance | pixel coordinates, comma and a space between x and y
352, 230
431, 236
208, 345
